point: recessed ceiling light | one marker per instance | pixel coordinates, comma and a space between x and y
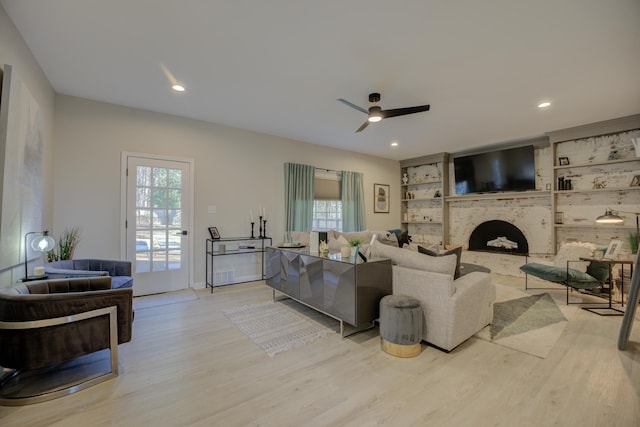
394, 143
178, 87
544, 104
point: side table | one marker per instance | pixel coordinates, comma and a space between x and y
610, 263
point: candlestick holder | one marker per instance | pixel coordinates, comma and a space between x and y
260, 225
252, 224
265, 228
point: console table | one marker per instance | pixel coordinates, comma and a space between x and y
348, 291
241, 260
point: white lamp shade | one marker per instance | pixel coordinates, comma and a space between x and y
43, 243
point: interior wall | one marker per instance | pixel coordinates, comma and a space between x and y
235, 171
14, 51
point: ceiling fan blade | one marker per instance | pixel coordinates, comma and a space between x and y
364, 125
404, 111
348, 104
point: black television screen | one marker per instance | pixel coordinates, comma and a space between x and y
512, 169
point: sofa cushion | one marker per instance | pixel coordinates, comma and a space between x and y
456, 251
406, 258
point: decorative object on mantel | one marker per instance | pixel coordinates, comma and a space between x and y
635, 182
563, 161
260, 236
405, 179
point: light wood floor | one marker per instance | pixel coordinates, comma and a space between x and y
189, 365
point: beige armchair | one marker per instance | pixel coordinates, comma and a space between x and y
454, 310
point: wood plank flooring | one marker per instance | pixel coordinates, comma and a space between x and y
188, 365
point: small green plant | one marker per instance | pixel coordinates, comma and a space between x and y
355, 242
633, 243
67, 244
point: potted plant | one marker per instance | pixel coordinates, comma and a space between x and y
633, 242
353, 244
67, 244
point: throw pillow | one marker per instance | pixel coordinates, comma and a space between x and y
456, 251
388, 239
336, 243
572, 251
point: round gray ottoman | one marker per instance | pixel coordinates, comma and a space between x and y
400, 325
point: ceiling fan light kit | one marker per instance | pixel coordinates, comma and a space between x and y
375, 113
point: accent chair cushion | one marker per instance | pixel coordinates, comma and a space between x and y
551, 273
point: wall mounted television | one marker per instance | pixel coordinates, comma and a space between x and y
510, 169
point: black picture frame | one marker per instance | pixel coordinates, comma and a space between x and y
215, 234
381, 201
563, 161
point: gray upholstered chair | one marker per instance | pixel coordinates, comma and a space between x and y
45, 324
119, 270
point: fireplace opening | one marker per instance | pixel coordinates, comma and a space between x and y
498, 236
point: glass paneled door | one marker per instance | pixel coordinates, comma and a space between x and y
157, 226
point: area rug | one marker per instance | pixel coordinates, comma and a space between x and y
274, 328
530, 324
149, 301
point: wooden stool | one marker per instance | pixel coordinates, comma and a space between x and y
400, 325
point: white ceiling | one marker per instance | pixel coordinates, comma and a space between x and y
278, 66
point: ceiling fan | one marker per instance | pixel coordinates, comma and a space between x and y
376, 113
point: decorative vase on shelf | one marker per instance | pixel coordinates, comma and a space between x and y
636, 145
405, 178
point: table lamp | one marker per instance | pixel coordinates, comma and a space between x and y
42, 243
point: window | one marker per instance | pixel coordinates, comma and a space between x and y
327, 215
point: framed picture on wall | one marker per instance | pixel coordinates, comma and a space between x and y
380, 198
213, 231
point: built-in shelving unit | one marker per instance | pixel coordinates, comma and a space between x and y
500, 196
601, 164
424, 188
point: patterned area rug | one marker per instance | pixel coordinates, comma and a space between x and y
531, 324
274, 328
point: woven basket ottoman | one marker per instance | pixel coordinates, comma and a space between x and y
400, 325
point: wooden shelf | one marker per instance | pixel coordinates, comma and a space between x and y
596, 190
607, 162
421, 183
499, 196
424, 199
422, 222
596, 226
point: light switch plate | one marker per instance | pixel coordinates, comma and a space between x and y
212, 209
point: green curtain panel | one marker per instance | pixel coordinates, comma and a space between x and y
298, 197
353, 215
